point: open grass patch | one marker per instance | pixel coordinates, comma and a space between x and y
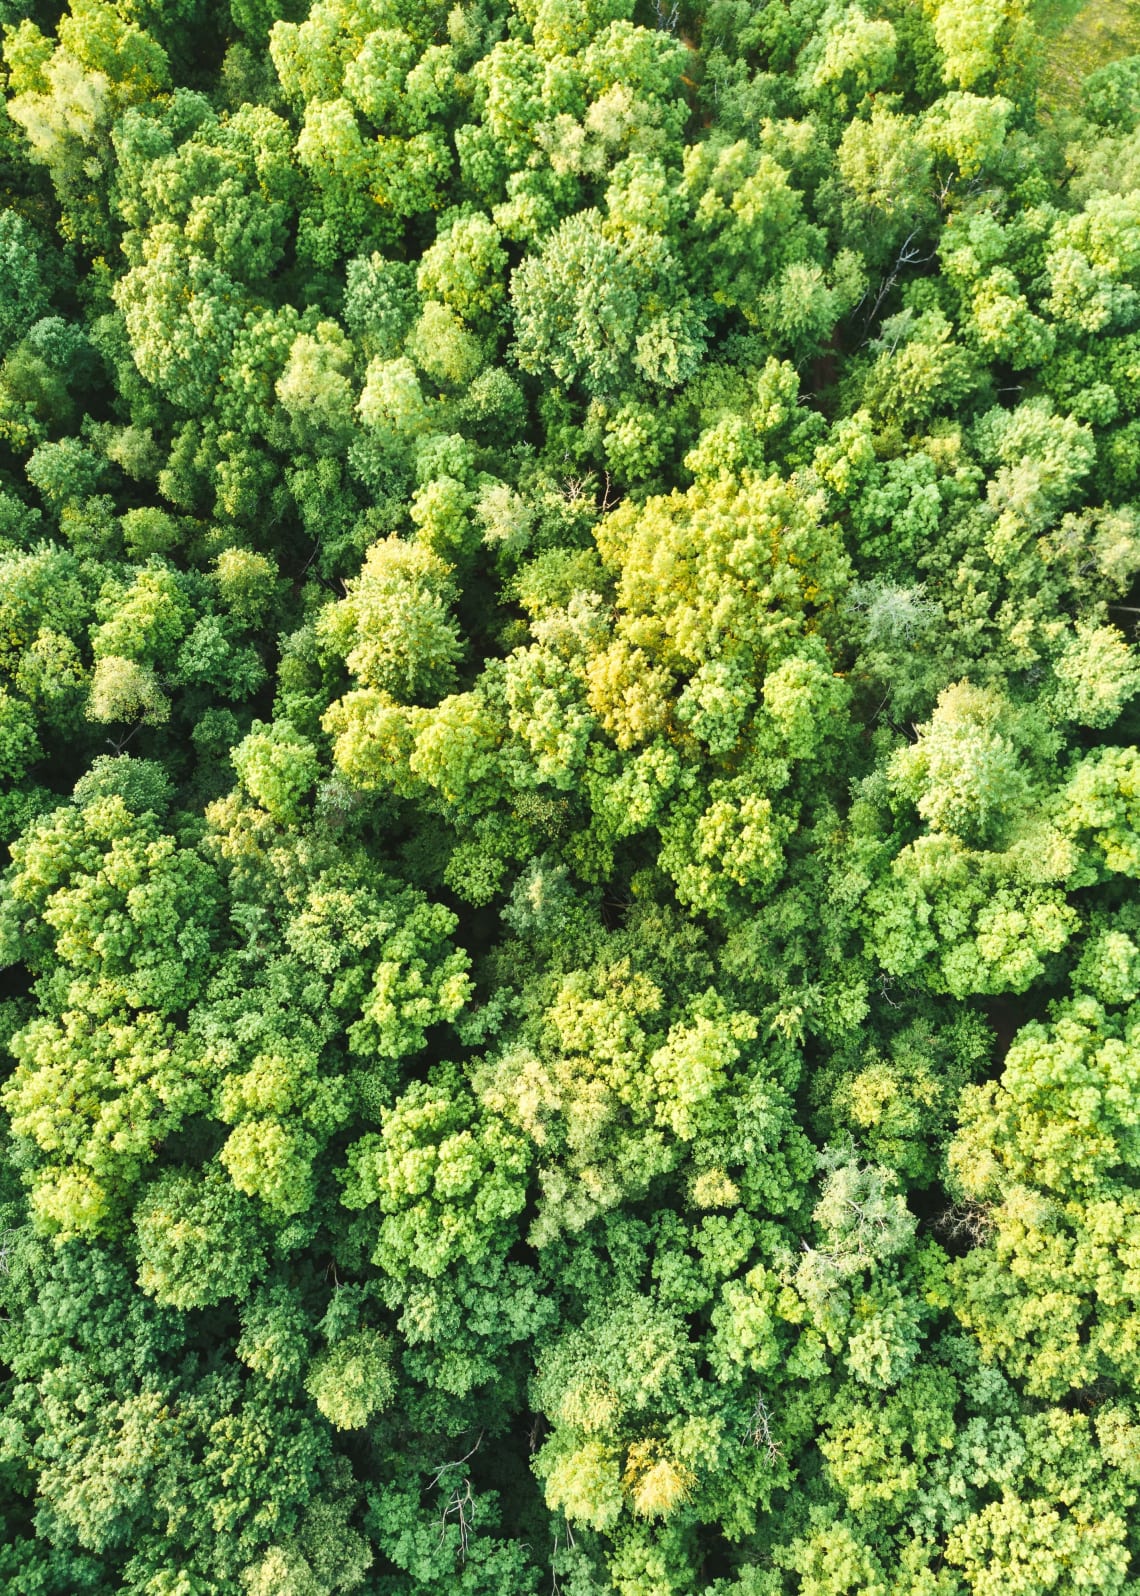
1078, 37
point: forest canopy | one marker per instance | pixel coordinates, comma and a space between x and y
570, 997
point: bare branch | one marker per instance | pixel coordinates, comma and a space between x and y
444, 1469
668, 15
761, 1430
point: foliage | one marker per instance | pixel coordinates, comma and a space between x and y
568, 703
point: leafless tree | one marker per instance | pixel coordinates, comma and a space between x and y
970, 1223
760, 1430
668, 15
459, 1503
555, 1583
907, 256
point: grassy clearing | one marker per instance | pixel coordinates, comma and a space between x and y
1081, 35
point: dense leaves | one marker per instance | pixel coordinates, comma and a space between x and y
568, 701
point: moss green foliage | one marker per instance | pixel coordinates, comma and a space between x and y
570, 1014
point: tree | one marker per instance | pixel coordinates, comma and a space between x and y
27, 298
67, 97
605, 340
395, 631
1045, 1149
197, 1240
